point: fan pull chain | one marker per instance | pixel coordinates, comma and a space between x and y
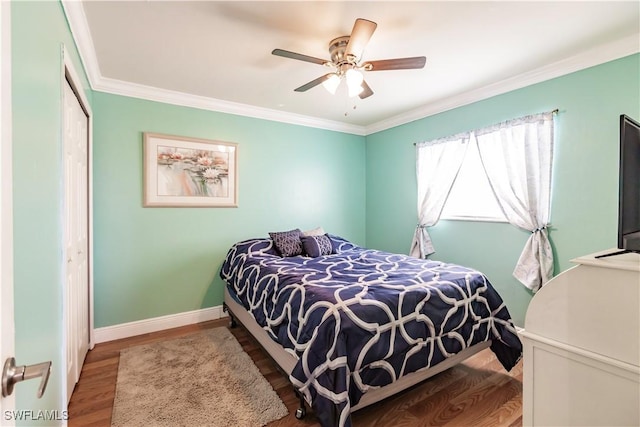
346, 107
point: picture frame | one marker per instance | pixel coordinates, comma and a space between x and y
189, 172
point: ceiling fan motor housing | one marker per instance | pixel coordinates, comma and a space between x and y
337, 48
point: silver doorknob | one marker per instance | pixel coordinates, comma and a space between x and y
12, 374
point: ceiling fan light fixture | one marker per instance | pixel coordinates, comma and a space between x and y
355, 91
331, 83
354, 81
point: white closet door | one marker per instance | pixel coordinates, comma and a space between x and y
76, 140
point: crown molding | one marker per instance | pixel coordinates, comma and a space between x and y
119, 87
82, 36
79, 27
596, 56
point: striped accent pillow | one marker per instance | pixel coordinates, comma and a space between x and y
315, 246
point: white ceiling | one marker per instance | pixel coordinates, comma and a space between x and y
217, 54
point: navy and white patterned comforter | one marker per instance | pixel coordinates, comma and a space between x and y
361, 318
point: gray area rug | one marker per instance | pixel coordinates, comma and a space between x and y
203, 379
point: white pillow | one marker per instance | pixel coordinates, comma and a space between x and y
318, 231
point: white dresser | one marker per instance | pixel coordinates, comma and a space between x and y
582, 346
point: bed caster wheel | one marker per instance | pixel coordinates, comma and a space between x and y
232, 321
300, 413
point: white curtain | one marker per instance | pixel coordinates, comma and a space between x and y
517, 157
437, 165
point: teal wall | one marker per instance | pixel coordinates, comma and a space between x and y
39, 30
151, 262
585, 175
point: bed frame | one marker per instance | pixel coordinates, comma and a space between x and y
286, 361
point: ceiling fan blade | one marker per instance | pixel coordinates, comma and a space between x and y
313, 83
360, 35
396, 64
367, 92
298, 56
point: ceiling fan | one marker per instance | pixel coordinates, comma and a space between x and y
346, 61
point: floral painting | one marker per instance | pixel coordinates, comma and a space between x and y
189, 172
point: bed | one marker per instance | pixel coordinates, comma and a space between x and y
351, 326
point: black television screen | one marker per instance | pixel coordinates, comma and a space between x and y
629, 200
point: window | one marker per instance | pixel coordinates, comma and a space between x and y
471, 197
518, 158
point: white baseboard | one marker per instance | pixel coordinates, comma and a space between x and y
145, 326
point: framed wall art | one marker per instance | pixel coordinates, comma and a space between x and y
189, 172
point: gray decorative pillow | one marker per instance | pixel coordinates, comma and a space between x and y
287, 242
315, 246
318, 231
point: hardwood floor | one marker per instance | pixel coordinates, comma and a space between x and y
475, 393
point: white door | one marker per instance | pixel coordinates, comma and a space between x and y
76, 214
6, 205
